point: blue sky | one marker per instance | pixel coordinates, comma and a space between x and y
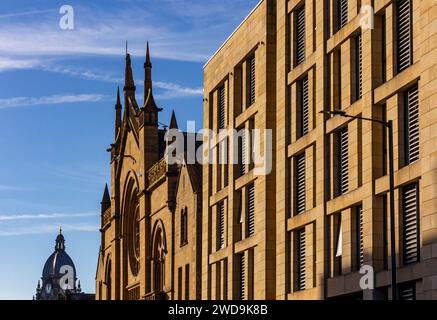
57, 92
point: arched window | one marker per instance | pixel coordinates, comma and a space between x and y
159, 255
184, 226
108, 280
132, 228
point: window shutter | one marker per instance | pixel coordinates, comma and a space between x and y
360, 239
344, 161
359, 66
221, 107
407, 291
242, 276
251, 99
300, 35
251, 209
301, 252
410, 224
342, 14
221, 225
300, 184
404, 48
243, 154
412, 124
304, 107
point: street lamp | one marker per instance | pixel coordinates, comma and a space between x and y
387, 124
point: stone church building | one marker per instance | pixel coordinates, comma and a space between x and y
146, 249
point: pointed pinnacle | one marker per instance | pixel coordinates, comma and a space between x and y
173, 122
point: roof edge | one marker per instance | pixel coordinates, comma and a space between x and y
233, 32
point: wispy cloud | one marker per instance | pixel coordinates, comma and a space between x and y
172, 90
25, 13
7, 64
10, 188
49, 100
191, 32
46, 216
47, 229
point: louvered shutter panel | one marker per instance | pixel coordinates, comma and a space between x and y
242, 277
243, 154
221, 106
251, 209
410, 224
360, 238
300, 184
407, 291
359, 68
342, 14
404, 43
304, 107
344, 161
301, 261
221, 226
251, 81
412, 124
300, 35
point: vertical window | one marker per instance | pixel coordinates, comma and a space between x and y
221, 108
251, 210
184, 227
410, 217
412, 124
338, 231
300, 265
180, 283
221, 225
404, 43
360, 238
300, 184
303, 123
300, 35
187, 282
342, 13
242, 282
359, 67
251, 82
344, 161
385, 231
407, 291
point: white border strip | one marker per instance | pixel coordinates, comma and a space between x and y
236, 29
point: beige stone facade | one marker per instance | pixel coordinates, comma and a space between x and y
312, 244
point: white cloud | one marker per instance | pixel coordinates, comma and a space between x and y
47, 229
10, 188
24, 13
7, 64
178, 30
45, 216
49, 100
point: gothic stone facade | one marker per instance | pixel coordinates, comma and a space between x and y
148, 247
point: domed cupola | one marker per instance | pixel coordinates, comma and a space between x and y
59, 272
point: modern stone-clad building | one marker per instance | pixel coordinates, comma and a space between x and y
307, 227
323, 213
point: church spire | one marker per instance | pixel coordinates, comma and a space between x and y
117, 113
129, 84
173, 121
149, 107
147, 75
106, 200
